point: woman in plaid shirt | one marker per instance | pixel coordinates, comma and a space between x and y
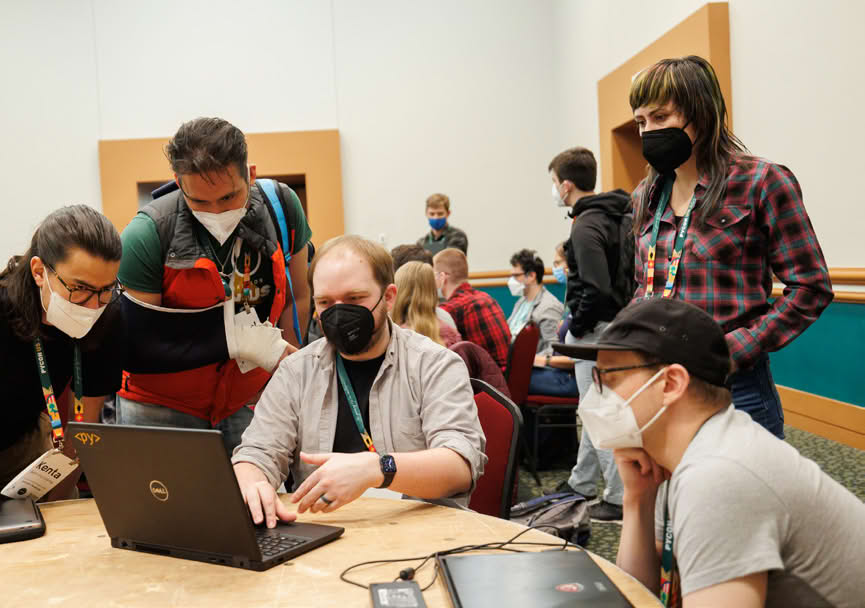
714, 224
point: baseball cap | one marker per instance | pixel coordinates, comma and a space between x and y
672, 331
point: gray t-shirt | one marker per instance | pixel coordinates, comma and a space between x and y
742, 501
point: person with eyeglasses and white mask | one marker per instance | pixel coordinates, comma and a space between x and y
717, 510
56, 333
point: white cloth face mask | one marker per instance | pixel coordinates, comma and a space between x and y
557, 198
220, 225
516, 287
73, 320
610, 420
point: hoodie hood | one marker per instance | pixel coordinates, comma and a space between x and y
615, 202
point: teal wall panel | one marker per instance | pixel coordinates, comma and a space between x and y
828, 359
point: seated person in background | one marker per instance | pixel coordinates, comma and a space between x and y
479, 318
415, 306
481, 365
51, 298
371, 405
744, 519
402, 254
415, 253
550, 375
441, 235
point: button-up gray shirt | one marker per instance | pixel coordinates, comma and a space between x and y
420, 399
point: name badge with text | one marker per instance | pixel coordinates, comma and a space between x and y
41, 476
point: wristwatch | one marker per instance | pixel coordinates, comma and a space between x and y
388, 469
547, 362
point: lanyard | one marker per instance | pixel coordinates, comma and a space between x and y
678, 245
48, 390
671, 592
352, 402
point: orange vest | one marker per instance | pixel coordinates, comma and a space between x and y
191, 280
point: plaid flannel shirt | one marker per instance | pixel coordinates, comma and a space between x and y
480, 319
727, 264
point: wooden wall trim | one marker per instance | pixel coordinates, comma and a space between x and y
839, 276
835, 420
313, 154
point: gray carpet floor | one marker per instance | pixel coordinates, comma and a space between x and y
843, 463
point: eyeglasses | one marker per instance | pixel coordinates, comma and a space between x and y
517, 274
82, 295
597, 372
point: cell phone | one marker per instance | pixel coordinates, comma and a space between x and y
401, 594
20, 519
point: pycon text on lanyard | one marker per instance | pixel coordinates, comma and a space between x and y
678, 245
48, 390
352, 402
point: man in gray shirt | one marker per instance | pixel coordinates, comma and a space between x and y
743, 520
371, 405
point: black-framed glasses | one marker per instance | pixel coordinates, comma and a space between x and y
597, 372
82, 295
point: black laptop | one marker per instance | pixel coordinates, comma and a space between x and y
540, 580
173, 492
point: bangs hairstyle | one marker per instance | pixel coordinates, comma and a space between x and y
416, 300
205, 146
377, 256
692, 85
438, 201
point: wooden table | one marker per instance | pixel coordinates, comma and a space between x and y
75, 565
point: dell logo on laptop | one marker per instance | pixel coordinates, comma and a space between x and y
159, 491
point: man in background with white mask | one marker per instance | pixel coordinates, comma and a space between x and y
744, 519
599, 255
371, 405
537, 304
212, 246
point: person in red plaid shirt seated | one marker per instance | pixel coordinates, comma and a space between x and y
479, 318
714, 223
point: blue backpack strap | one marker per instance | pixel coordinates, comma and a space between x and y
268, 188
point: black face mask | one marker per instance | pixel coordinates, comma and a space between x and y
349, 327
666, 149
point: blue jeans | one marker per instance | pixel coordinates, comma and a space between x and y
553, 382
592, 462
136, 413
754, 393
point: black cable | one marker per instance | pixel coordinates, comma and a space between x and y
490, 546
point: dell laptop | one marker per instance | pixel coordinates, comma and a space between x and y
540, 580
173, 492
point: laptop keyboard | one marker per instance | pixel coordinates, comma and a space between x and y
273, 543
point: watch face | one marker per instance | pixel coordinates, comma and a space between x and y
388, 464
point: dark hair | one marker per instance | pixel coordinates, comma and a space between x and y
529, 261
75, 226
578, 166
207, 145
691, 84
410, 253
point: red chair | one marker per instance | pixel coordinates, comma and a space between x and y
501, 421
521, 359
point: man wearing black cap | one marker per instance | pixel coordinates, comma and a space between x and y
744, 519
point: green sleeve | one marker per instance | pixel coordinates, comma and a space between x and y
296, 219
141, 265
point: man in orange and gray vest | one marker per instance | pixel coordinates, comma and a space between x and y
215, 277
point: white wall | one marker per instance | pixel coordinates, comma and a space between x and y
797, 90
471, 98
48, 115
454, 97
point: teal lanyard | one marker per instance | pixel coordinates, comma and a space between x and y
352, 402
670, 590
48, 389
678, 245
